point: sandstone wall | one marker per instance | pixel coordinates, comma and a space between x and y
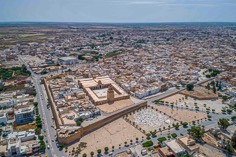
98, 124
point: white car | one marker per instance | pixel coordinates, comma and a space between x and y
48, 146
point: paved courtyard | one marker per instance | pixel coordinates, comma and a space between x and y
150, 120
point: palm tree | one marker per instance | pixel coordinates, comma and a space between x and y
106, 149
99, 151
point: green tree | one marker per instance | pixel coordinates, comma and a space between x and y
185, 155
61, 146
233, 118
190, 87
2, 88
185, 124
196, 131
36, 104
229, 148
161, 139
174, 135
92, 153
106, 149
223, 123
78, 122
99, 151
153, 133
84, 155
148, 135
147, 144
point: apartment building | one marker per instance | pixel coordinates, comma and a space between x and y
24, 115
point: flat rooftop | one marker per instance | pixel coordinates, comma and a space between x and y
68, 58
174, 146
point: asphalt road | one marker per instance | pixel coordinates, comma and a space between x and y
46, 116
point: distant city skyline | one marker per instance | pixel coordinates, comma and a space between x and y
118, 11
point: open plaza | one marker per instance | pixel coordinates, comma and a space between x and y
149, 119
112, 134
187, 102
182, 115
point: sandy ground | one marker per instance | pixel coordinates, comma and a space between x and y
117, 105
208, 152
110, 135
200, 92
174, 98
190, 103
123, 154
181, 115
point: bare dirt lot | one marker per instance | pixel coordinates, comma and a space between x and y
181, 115
181, 101
208, 152
200, 93
110, 135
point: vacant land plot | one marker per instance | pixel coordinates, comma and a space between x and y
181, 115
25, 127
180, 101
200, 93
110, 135
208, 152
174, 98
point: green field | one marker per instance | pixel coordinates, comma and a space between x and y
11, 73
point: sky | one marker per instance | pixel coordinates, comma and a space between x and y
118, 11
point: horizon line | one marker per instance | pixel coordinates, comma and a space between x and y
117, 22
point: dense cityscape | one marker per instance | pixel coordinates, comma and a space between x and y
122, 90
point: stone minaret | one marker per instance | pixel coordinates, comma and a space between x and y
110, 94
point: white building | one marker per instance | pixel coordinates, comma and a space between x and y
67, 60
175, 147
7, 103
